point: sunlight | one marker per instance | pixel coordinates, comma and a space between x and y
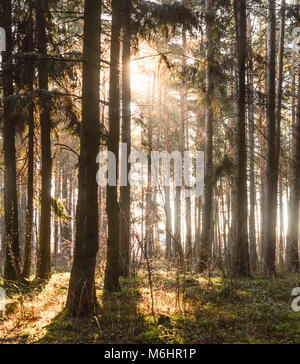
149, 174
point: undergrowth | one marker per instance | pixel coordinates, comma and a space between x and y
214, 311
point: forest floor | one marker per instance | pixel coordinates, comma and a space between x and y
214, 310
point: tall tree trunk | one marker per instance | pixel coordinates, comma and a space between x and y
12, 264
112, 271
149, 218
185, 137
150, 194
252, 229
281, 231
44, 258
57, 192
241, 263
169, 230
65, 226
262, 144
126, 138
207, 231
280, 80
292, 255
29, 72
82, 294
278, 123
272, 163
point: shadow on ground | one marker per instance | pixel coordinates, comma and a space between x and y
119, 322
26, 290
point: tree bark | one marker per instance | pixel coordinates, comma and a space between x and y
65, 226
207, 231
112, 271
185, 137
252, 229
278, 124
44, 258
167, 205
125, 220
29, 74
272, 163
241, 261
281, 231
292, 256
12, 268
82, 293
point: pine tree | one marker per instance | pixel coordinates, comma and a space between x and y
125, 220
29, 74
82, 294
44, 258
112, 271
272, 161
241, 262
207, 232
292, 255
12, 264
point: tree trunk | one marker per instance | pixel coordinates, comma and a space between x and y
185, 137
293, 223
13, 262
241, 262
206, 237
262, 143
125, 220
57, 192
65, 226
252, 229
82, 294
29, 72
278, 123
281, 231
44, 258
112, 272
167, 205
272, 163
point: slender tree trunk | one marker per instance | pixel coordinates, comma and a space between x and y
252, 229
281, 232
278, 123
56, 223
112, 272
168, 222
82, 294
262, 161
29, 71
280, 80
241, 263
150, 194
13, 262
178, 231
126, 138
232, 197
207, 231
44, 258
272, 163
293, 223
167, 204
262, 191
65, 226
185, 137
